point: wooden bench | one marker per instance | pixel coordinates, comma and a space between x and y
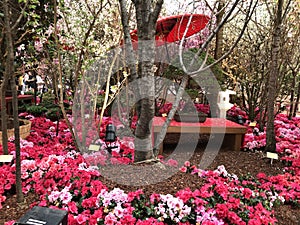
234, 133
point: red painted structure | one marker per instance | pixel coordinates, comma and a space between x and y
26, 98
172, 28
234, 133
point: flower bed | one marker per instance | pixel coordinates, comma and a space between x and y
287, 137
63, 179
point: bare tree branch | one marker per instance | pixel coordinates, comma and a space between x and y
20, 16
247, 19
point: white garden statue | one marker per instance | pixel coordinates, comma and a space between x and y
223, 102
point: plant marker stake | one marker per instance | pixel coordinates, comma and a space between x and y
272, 156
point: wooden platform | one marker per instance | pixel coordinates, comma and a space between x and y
234, 133
25, 98
20, 98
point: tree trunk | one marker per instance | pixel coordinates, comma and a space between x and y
251, 105
219, 34
243, 97
143, 138
4, 115
59, 91
261, 121
20, 196
146, 15
297, 101
146, 109
9, 73
292, 103
5, 83
274, 71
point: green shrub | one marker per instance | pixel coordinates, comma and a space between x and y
48, 100
54, 113
36, 110
193, 93
22, 107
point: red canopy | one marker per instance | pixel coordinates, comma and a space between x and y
171, 29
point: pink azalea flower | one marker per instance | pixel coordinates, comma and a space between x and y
81, 219
172, 162
187, 164
72, 207
10, 222
183, 169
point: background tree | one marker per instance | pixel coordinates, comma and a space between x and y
292, 56
280, 15
191, 69
249, 66
13, 14
65, 38
219, 35
203, 48
84, 31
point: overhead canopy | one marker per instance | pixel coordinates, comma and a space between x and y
172, 28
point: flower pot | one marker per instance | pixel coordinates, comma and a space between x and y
25, 126
190, 117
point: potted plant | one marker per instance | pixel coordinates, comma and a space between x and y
24, 131
189, 113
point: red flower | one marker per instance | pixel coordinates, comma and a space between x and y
72, 207
185, 194
222, 210
81, 219
89, 203
247, 193
261, 176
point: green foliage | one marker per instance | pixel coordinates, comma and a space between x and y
100, 101
142, 208
46, 108
53, 110
174, 71
193, 93
36, 110
48, 100
28, 93
22, 107
54, 113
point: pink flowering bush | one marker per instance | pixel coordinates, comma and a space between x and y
66, 179
236, 111
287, 134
